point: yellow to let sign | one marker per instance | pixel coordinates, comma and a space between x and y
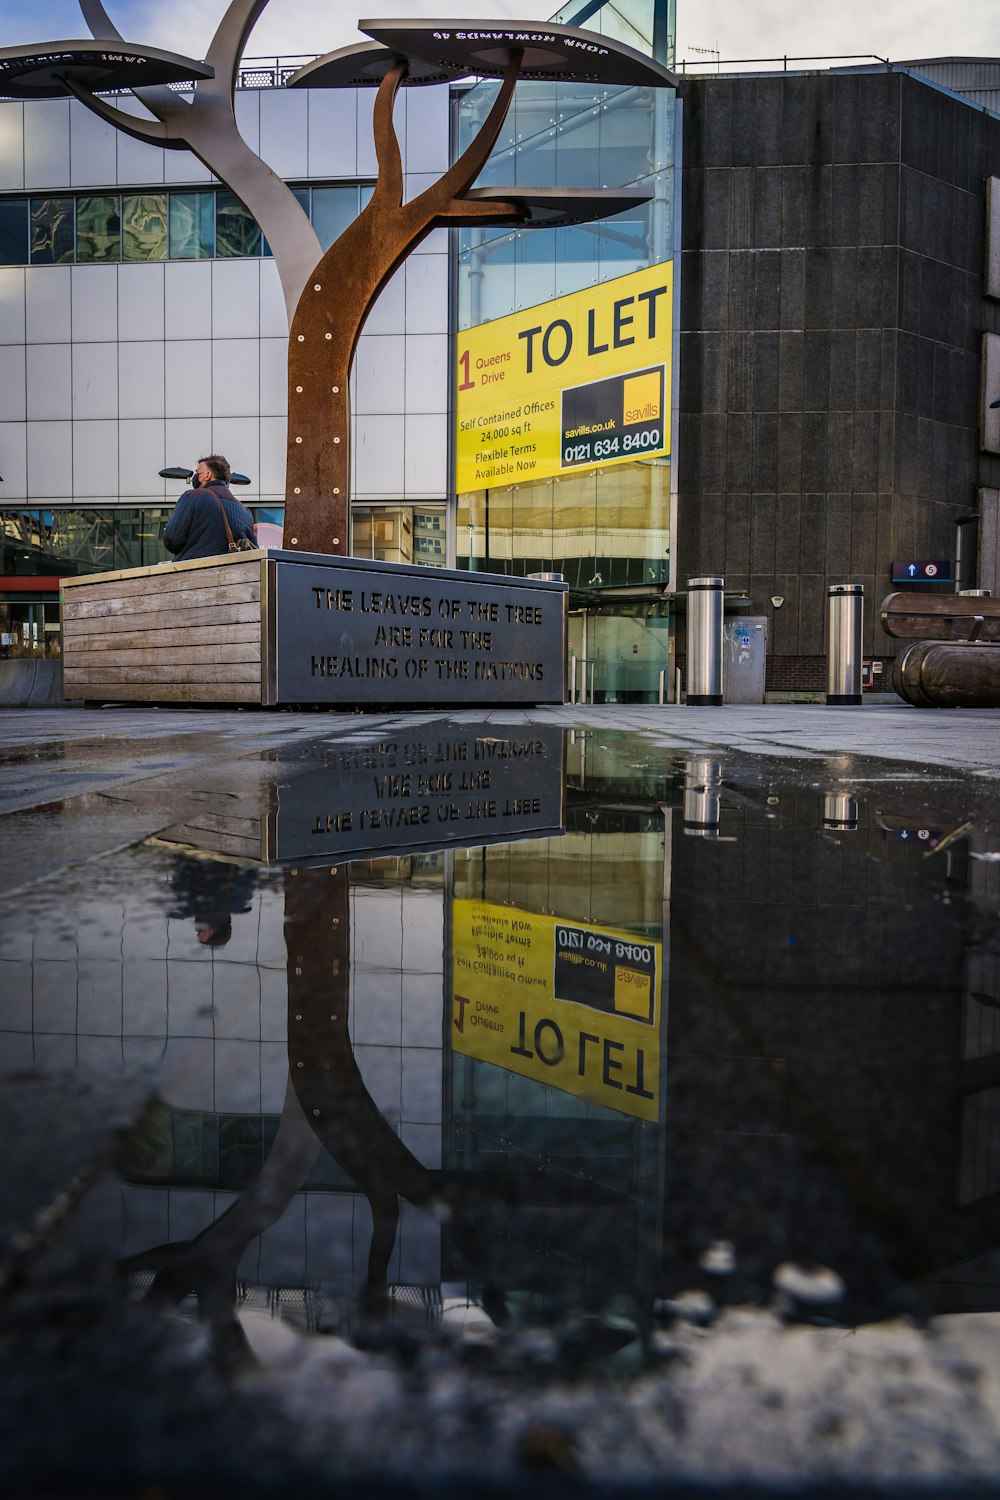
577, 383
568, 1004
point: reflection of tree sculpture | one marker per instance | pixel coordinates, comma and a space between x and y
328, 1105
337, 1104
207, 1265
332, 1093
328, 297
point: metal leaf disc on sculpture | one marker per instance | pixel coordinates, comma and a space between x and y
40, 72
364, 65
548, 51
553, 208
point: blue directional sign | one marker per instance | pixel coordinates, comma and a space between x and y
913, 571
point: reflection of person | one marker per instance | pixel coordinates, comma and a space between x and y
196, 527
210, 891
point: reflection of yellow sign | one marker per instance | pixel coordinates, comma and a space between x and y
572, 1005
576, 383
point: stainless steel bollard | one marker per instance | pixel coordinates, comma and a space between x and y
702, 797
843, 645
840, 812
704, 641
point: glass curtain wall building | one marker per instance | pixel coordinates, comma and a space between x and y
606, 527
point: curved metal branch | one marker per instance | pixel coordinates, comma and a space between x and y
389, 183
464, 211
156, 100
207, 127
152, 132
463, 172
101, 25
226, 49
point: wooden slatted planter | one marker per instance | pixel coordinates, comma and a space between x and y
179, 632
273, 628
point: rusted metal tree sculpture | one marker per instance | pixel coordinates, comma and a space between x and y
329, 296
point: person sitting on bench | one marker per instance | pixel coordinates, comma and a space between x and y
196, 527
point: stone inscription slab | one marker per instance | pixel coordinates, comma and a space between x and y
350, 632
439, 786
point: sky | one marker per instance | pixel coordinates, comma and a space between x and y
893, 29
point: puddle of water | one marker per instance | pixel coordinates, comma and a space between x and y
510, 1029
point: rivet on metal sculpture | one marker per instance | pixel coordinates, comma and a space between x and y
329, 296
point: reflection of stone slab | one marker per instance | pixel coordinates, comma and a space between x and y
443, 785
278, 628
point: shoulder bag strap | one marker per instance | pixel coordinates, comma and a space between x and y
225, 521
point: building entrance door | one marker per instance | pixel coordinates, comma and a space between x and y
616, 654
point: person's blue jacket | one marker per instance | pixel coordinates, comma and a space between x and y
195, 528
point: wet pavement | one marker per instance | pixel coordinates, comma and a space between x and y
475, 1102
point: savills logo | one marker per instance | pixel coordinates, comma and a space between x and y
642, 397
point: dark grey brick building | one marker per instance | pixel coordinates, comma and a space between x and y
837, 308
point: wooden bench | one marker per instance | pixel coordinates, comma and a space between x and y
941, 617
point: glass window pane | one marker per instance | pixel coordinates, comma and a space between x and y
51, 231
14, 232
22, 542
140, 534
192, 226
99, 228
60, 541
144, 224
332, 210
236, 231
302, 195
430, 536
382, 532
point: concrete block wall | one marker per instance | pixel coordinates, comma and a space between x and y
832, 308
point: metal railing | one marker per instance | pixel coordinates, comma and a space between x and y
269, 72
254, 73
581, 676
727, 65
